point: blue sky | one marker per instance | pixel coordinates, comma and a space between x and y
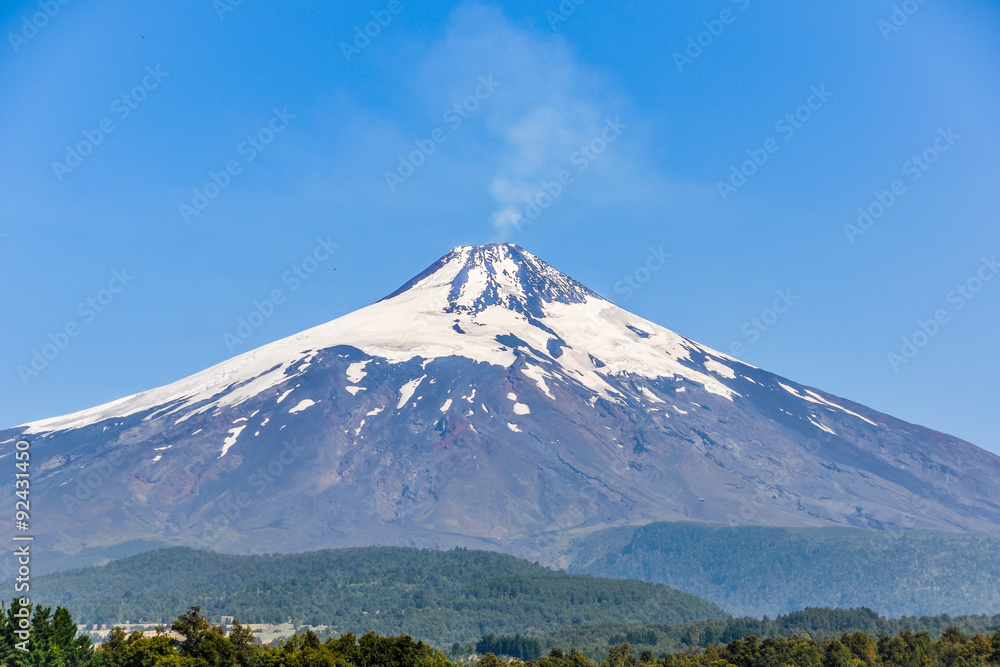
203, 151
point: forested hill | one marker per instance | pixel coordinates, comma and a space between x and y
442, 596
757, 570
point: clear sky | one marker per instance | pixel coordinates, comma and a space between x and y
200, 149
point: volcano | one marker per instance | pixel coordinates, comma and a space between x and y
490, 402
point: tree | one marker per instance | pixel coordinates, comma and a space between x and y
41, 636
489, 660
204, 643
953, 635
241, 637
620, 656
114, 649
836, 654
862, 646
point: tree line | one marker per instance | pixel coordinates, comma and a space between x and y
818, 623
192, 640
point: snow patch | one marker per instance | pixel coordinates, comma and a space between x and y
513, 427
231, 439
720, 369
813, 397
538, 375
302, 405
521, 409
406, 391
821, 426
282, 397
354, 390
356, 371
650, 395
447, 404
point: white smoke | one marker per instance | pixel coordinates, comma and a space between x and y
547, 107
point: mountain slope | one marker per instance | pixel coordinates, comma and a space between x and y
491, 402
443, 597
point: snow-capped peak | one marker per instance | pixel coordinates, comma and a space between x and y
498, 274
492, 303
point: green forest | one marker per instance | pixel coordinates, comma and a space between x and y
50, 639
441, 596
818, 623
756, 570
